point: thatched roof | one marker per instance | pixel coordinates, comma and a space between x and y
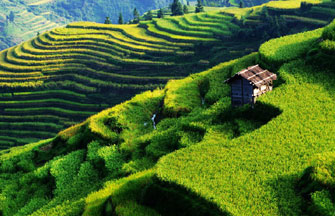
256, 75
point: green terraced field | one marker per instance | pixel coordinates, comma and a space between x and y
204, 157
72, 72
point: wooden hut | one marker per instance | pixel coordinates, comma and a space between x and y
250, 83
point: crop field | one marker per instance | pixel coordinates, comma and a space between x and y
182, 144
72, 72
25, 19
204, 157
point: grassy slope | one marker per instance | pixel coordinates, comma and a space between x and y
103, 65
243, 161
33, 16
239, 168
33, 70
256, 174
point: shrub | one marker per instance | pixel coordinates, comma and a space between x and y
162, 143
329, 32
65, 170
33, 205
137, 165
324, 169
92, 152
322, 203
113, 159
181, 97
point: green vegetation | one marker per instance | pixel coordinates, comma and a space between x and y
176, 8
24, 19
203, 157
72, 72
278, 51
199, 8
120, 20
235, 3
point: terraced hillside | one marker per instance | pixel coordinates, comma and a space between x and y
33, 16
204, 157
245, 3
25, 24
67, 74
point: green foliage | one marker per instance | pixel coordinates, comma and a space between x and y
162, 143
113, 159
136, 16
124, 193
73, 72
160, 13
33, 205
278, 51
33, 16
107, 164
323, 203
235, 169
241, 4
137, 165
185, 9
92, 152
149, 15
329, 32
65, 170
181, 97
176, 8
120, 20
324, 169
199, 8
67, 208
107, 21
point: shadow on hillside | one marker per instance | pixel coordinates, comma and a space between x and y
287, 198
245, 119
171, 199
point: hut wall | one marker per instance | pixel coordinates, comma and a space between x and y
241, 92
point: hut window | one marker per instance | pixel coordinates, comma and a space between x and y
263, 87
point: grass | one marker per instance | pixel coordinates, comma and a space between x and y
265, 163
291, 4
281, 50
203, 154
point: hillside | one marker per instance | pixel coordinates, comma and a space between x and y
236, 3
37, 16
33, 16
204, 157
67, 74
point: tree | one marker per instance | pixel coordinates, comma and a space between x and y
136, 16
188, 3
176, 8
149, 15
241, 4
11, 16
107, 21
304, 6
199, 8
185, 9
120, 21
160, 13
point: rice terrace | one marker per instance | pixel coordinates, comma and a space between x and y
226, 110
